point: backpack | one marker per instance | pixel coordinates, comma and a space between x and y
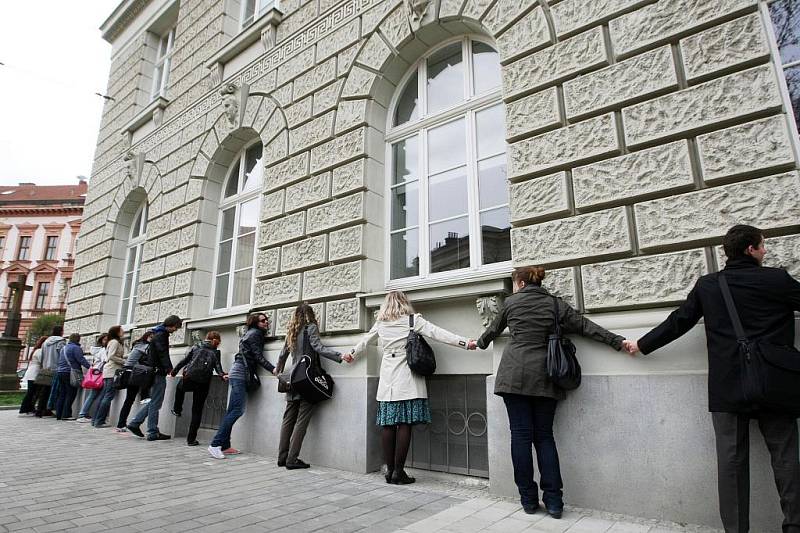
201, 367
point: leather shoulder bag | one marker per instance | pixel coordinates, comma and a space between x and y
419, 354
563, 368
309, 379
770, 373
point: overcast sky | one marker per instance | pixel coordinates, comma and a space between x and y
54, 61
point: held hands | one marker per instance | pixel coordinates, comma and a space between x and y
348, 357
224, 377
472, 345
632, 347
275, 371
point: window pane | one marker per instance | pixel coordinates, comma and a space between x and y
405, 206
228, 217
128, 285
405, 254
241, 287
408, 104
405, 157
445, 78
486, 67
224, 257
221, 292
232, 187
248, 217
785, 15
793, 83
496, 235
491, 131
448, 194
244, 250
449, 243
136, 229
253, 168
447, 146
123, 314
249, 9
492, 183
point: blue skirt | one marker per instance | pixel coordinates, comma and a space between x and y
414, 411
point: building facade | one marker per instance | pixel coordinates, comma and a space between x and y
38, 229
258, 154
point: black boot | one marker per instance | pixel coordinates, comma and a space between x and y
399, 477
387, 473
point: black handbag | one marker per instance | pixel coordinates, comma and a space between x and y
770, 373
251, 380
563, 368
419, 354
309, 379
142, 376
122, 378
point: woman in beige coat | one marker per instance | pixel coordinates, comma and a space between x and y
402, 395
115, 353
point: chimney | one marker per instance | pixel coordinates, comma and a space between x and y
24, 183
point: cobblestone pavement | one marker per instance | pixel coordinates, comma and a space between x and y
64, 476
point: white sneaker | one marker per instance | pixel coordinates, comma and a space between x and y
144, 402
84, 419
216, 452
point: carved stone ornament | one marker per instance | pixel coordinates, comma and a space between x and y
133, 165
197, 336
230, 103
158, 117
488, 308
241, 330
420, 12
268, 37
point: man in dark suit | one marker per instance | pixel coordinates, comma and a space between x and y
766, 299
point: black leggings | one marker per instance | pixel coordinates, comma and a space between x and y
396, 441
130, 397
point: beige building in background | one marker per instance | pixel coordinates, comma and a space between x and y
257, 154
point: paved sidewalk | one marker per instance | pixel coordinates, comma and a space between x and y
65, 476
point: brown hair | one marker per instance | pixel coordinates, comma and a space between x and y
252, 320
75, 338
114, 333
529, 274
213, 335
303, 315
39, 342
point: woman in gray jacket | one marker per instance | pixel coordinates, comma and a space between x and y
521, 379
303, 327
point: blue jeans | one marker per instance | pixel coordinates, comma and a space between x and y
93, 395
531, 421
54, 388
66, 396
150, 411
237, 402
106, 397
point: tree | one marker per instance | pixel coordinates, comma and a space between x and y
42, 326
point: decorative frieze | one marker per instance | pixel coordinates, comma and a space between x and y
758, 145
338, 40
626, 81
661, 168
338, 212
276, 291
343, 315
571, 145
724, 46
284, 229
658, 279
721, 99
767, 203
539, 197
661, 21
532, 114
332, 281
592, 235
303, 254
560, 61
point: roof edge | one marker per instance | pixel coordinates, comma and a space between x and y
119, 19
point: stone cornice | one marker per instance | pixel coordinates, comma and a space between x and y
41, 211
123, 14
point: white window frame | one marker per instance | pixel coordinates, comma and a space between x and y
162, 64
260, 7
779, 67
236, 202
466, 110
126, 314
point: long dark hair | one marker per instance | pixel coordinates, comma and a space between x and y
253, 319
114, 333
101, 338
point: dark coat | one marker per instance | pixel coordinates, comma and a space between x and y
765, 298
158, 353
251, 349
528, 314
193, 351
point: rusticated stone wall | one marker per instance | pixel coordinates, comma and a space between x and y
637, 131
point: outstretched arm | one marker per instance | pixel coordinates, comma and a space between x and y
495, 328
368, 337
321, 349
432, 331
572, 321
677, 323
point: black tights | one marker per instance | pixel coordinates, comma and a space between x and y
396, 440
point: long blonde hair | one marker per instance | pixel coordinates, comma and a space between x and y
394, 306
303, 315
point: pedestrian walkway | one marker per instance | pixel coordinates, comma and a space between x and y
64, 476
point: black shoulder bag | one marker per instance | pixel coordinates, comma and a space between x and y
419, 354
309, 379
563, 368
251, 380
770, 373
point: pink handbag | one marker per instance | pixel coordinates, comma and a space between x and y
93, 379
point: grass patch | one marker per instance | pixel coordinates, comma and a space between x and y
11, 398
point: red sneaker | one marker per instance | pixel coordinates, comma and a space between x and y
231, 451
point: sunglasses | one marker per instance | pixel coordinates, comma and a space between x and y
263, 320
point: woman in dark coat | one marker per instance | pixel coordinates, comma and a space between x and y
522, 381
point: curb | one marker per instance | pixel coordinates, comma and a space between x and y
9, 407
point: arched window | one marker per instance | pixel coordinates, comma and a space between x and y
448, 192
133, 260
238, 222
